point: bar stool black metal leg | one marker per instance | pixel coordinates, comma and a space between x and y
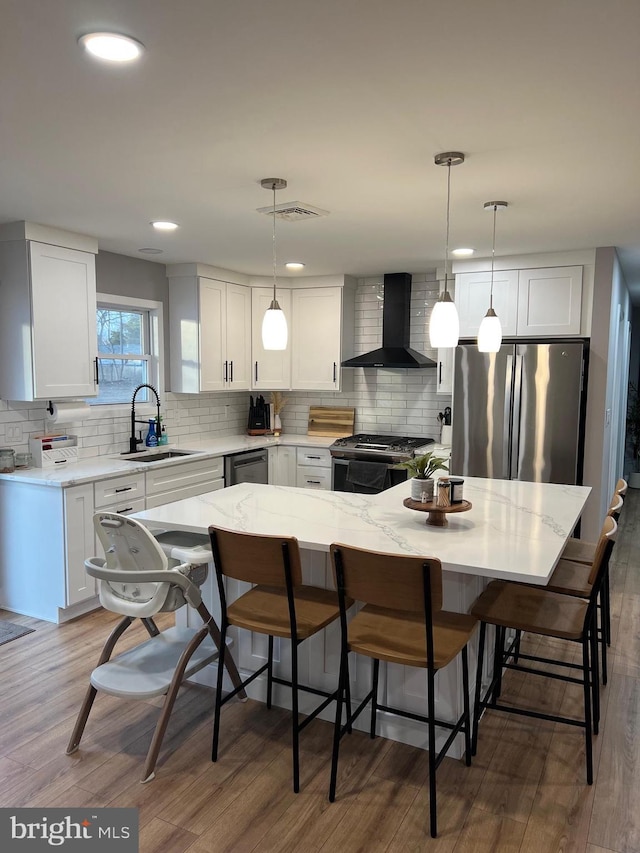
295, 731
586, 675
218, 702
269, 671
374, 695
595, 674
498, 661
343, 680
606, 605
432, 752
478, 690
467, 715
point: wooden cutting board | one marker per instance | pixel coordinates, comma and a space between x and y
335, 422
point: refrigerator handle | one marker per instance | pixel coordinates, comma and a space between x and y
515, 421
508, 392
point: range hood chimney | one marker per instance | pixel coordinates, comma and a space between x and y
395, 350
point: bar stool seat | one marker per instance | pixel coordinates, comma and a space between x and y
265, 609
399, 637
571, 578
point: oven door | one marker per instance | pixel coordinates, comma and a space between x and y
342, 481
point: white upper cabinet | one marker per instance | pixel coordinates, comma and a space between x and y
322, 326
550, 301
270, 369
529, 302
210, 335
473, 291
48, 343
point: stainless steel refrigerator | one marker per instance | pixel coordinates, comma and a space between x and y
518, 414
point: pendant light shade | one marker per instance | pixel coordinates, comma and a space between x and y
444, 325
490, 331
275, 334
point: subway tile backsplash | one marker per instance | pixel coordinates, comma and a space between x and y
397, 401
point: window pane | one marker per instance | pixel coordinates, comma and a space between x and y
120, 332
119, 378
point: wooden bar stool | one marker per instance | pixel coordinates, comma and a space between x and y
506, 604
402, 622
583, 552
280, 605
571, 577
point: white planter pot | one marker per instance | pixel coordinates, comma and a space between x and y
419, 486
634, 480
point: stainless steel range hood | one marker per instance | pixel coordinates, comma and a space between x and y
395, 350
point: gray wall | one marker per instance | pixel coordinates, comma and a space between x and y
120, 275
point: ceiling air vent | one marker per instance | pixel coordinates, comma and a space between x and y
293, 211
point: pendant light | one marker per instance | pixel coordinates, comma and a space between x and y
490, 331
444, 325
274, 323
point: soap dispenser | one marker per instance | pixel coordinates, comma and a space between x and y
152, 439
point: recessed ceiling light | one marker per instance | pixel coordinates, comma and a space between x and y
462, 253
112, 46
149, 251
294, 265
164, 225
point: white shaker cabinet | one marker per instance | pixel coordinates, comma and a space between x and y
444, 377
270, 369
282, 465
48, 343
550, 301
322, 318
544, 302
210, 335
473, 291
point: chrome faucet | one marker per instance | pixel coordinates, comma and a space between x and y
133, 441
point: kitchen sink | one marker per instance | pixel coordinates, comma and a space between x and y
156, 455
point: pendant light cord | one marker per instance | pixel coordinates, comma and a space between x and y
493, 254
446, 247
274, 243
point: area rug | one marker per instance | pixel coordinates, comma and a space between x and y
10, 631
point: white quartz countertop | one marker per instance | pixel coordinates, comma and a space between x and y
515, 530
102, 467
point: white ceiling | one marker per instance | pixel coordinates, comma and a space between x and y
349, 100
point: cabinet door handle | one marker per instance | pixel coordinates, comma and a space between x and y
125, 509
231, 371
124, 489
315, 482
313, 457
226, 371
439, 373
256, 371
96, 371
335, 366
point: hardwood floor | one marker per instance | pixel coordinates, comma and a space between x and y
525, 792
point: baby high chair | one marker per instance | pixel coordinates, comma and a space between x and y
138, 580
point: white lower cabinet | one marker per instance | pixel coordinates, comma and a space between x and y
168, 483
282, 465
79, 543
313, 468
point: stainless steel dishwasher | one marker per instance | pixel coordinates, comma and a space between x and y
250, 466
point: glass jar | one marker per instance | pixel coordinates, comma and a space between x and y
7, 460
23, 460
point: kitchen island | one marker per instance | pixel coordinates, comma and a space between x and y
515, 530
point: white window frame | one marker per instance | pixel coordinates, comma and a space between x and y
155, 359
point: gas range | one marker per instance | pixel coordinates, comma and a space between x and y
382, 448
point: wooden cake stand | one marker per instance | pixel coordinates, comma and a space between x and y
437, 514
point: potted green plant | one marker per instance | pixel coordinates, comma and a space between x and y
421, 468
633, 433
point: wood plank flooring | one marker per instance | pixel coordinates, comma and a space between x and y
525, 792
